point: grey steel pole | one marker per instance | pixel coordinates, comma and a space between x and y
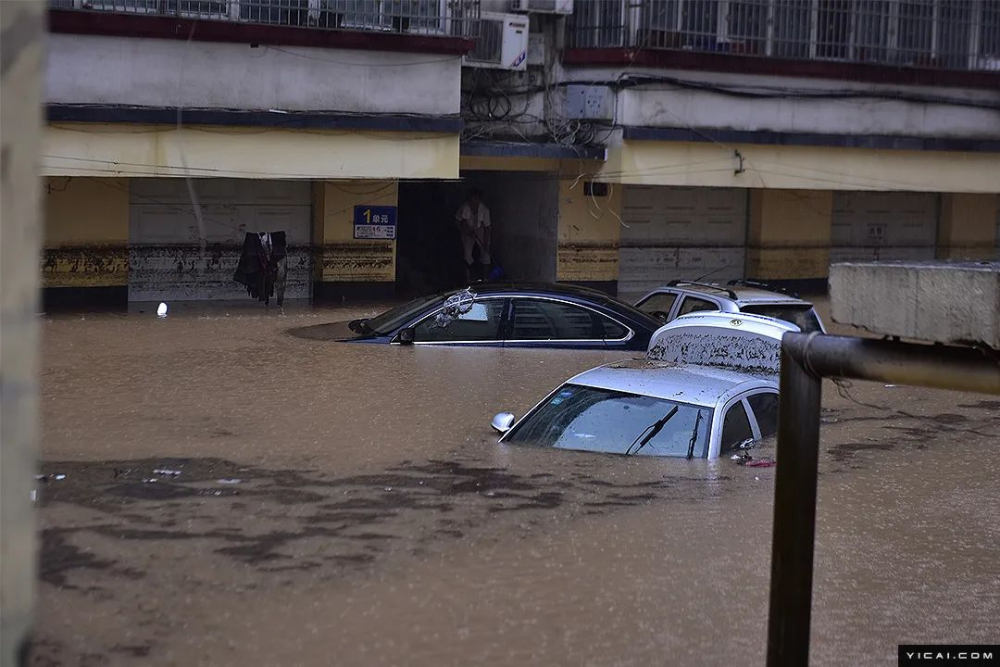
794, 510
805, 360
23, 27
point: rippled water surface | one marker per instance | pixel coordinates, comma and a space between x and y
238, 495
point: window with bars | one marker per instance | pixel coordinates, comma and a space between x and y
432, 17
952, 34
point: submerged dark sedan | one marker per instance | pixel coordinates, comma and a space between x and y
505, 315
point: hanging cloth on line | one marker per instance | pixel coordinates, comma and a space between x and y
258, 267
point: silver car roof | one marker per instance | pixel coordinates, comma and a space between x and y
684, 383
744, 295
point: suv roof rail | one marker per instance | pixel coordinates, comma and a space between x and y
680, 283
764, 285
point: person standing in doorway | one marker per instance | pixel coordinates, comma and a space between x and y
473, 219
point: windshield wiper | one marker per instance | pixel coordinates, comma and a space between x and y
694, 436
653, 429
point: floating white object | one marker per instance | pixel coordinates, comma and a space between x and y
161, 310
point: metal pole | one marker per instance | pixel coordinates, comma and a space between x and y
920, 365
805, 360
794, 513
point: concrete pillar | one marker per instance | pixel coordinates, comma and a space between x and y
788, 238
967, 228
23, 27
349, 268
588, 235
85, 262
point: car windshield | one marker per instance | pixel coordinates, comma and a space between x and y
602, 420
801, 315
661, 303
391, 320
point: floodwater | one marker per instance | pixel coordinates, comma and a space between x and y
322, 503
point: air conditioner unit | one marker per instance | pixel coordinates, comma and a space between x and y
501, 42
544, 6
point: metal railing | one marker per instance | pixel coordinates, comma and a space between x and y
805, 360
424, 17
948, 34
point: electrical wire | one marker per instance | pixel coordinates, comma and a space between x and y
631, 80
156, 170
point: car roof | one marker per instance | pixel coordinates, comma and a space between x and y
744, 294
572, 292
684, 383
742, 342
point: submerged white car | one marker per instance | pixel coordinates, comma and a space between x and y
707, 387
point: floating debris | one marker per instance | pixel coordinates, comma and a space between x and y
229, 481
167, 473
161, 310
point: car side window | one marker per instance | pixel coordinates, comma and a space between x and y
612, 330
693, 304
765, 409
735, 428
551, 320
480, 323
660, 303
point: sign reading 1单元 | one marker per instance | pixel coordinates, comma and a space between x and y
375, 222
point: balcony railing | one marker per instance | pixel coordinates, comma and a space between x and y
457, 18
946, 34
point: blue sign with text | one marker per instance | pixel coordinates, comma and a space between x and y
375, 222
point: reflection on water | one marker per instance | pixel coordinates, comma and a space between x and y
238, 495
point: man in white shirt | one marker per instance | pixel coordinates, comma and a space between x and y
473, 219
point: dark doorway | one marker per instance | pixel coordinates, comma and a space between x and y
428, 250
524, 210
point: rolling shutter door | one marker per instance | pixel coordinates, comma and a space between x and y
883, 225
680, 233
165, 258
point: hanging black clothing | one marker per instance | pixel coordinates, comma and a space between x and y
258, 267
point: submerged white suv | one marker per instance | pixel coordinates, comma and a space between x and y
680, 297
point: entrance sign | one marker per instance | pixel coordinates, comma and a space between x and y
375, 222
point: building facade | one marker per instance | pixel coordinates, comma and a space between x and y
618, 143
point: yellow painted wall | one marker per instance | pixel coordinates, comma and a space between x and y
342, 258
86, 232
967, 228
789, 234
806, 167
589, 231
485, 163
92, 149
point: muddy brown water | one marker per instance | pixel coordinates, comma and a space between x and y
323, 503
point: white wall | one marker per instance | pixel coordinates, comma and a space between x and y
668, 105
665, 106
84, 69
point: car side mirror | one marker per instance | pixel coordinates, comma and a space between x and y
502, 422
406, 336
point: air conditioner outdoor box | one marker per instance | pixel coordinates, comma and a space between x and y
501, 42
